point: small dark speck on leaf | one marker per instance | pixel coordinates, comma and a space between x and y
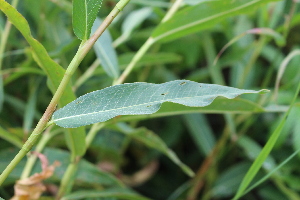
78, 102
148, 106
182, 83
164, 93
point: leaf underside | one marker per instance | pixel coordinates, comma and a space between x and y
139, 98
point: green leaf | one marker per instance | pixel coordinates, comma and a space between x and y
54, 71
30, 109
252, 150
151, 140
218, 106
159, 58
105, 52
84, 15
228, 182
201, 132
88, 173
13, 139
119, 193
202, 16
133, 20
1, 92
139, 98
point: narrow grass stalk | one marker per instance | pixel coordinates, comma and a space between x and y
272, 172
150, 41
265, 152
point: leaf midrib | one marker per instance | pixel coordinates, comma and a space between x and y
153, 102
202, 21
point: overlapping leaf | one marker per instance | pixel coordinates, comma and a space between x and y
139, 98
202, 16
84, 15
105, 52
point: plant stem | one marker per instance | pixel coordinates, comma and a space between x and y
172, 10
68, 179
47, 136
82, 51
92, 133
134, 61
150, 41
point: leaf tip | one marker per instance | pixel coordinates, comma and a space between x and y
263, 91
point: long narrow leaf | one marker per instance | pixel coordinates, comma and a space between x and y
265, 151
203, 16
151, 140
105, 52
139, 98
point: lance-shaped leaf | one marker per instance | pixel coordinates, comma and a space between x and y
84, 15
139, 98
202, 16
105, 52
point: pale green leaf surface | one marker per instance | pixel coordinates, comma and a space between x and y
202, 16
119, 193
54, 71
105, 52
139, 98
134, 19
84, 15
151, 140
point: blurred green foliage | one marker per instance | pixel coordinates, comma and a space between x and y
218, 145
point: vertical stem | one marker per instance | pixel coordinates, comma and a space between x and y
68, 178
146, 46
134, 61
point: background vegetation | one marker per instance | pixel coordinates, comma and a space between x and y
219, 142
